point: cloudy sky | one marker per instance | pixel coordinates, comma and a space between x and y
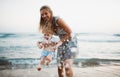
81, 15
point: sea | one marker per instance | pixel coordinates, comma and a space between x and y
21, 48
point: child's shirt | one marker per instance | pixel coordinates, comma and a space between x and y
48, 45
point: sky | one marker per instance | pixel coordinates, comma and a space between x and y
82, 16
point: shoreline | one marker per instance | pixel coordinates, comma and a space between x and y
96, 71
31, 63
81, 68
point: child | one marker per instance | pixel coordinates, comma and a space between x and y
48, 51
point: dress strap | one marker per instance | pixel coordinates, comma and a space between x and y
56, 18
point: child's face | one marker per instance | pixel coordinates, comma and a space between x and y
47, 36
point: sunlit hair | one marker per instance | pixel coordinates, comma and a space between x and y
43, 26
47, 30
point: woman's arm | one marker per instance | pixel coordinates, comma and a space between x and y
68, 31
65, 27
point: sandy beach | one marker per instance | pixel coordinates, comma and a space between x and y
97, 71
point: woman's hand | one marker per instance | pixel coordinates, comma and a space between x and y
58, 44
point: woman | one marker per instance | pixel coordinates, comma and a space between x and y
60, 28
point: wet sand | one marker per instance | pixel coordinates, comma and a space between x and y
97, 71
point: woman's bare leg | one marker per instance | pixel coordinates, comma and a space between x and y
68, 68
61, 70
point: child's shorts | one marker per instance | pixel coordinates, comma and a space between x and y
46, 53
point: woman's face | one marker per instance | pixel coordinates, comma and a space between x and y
45, 14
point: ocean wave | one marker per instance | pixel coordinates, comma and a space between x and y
94, 37
85, 37
19, 35
6, 35
116, 35
13, 61
14, 48
76, 61
85, 40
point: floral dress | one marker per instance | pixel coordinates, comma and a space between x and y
64, 51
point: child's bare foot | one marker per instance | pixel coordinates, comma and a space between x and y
39, 68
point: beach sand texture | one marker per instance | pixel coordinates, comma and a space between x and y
99, 71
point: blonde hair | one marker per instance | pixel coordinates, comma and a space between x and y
46, 27
47, 30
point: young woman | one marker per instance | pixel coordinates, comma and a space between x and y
60, 29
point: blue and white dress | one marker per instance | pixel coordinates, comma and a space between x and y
64, 51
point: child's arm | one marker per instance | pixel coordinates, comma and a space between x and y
40, 45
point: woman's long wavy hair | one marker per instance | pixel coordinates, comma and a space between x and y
46, 27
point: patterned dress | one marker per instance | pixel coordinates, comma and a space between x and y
64, 51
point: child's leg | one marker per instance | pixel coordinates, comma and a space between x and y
42, 61
49, 59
